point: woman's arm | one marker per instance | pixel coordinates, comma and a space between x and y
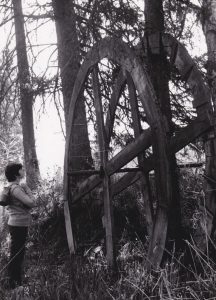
23, 197
27, 190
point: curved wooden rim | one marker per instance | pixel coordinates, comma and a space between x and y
190, 73
120, 53
188, 70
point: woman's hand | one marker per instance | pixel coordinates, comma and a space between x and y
26, 188
24, 194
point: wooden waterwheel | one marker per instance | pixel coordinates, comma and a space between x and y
133, 74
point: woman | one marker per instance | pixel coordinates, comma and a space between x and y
21, 202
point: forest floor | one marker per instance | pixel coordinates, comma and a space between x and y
51, 274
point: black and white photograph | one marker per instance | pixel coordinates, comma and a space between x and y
108, 150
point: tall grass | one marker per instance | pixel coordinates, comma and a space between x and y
56, 277
52, 274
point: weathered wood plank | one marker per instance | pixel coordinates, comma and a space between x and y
144, 181
157, 246
102, 138
124, 182
190, 165
100, 171
103, 147
83, 172
130, 178
68, 226
185, 136
163, 183
189, 133
117, 90
116, 163
185, 64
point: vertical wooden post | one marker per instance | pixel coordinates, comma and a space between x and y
103, 146
145, 189
66, 195
208, 219
117, 90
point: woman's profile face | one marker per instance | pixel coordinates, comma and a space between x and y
21, 173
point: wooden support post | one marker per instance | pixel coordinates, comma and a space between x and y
102, 138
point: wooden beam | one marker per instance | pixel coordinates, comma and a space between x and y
101, 171
144, 180
191, 165
157, 245
130, 178
84, 172
103, 147
67, 216
117, 90
177, 143
185, 64
116, 163
124, 182
185, 136
68, 227
189, 133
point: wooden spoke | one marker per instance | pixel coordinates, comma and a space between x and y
125, 181
116, 163
118, 87
185, 136
103, 147
145, 188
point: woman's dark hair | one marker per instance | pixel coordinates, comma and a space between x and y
12, 171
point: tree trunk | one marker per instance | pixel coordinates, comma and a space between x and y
26, 97
154, 18
208, 207
69, 63
159, 74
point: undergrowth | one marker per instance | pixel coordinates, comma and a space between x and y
52, 274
